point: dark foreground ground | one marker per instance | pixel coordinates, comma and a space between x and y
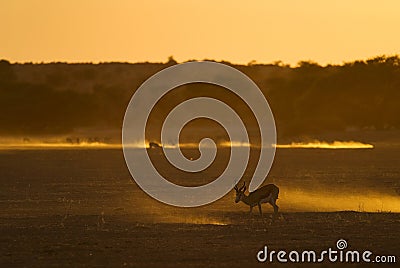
101, 240
75, 208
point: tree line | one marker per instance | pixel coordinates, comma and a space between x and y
57, 98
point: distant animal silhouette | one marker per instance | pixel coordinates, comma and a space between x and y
153, 145
266, 194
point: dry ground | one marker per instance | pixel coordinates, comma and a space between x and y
101, 240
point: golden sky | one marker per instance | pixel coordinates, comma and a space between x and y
234, 30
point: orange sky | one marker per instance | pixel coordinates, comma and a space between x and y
237, 31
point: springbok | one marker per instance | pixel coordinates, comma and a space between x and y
266, 194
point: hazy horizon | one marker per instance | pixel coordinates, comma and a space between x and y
170, 58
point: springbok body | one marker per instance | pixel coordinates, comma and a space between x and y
266, 194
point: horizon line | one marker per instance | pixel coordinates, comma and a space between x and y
170, 59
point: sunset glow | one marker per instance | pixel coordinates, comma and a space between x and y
236, 31
330, 201
59, 145
227, 144
327, 145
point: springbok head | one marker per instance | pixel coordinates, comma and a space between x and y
240, 192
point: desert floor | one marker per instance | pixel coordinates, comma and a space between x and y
81, 208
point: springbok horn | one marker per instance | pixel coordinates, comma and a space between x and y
244, 185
